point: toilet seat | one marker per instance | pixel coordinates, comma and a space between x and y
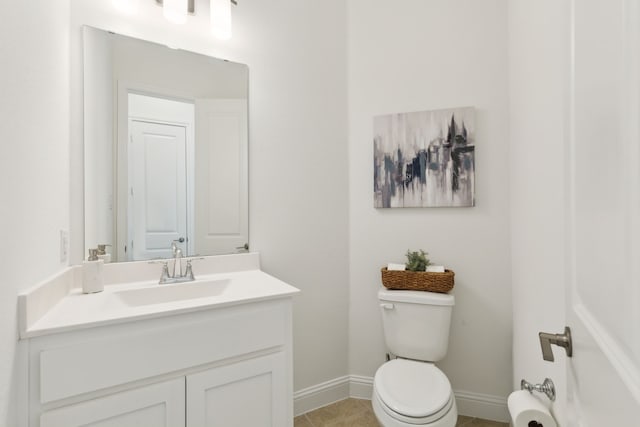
413, 392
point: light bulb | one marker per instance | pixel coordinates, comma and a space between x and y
221, 19
175, 11
128, 7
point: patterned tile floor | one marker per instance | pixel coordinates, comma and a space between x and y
359, 413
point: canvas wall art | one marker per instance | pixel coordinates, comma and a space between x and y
424, 159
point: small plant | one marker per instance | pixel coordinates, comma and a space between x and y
417, 261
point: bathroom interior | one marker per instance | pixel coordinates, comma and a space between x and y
295, 316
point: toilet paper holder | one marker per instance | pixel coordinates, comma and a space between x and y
546, 387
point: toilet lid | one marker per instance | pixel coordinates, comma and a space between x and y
414, 389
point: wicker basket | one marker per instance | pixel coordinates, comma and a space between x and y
418, 280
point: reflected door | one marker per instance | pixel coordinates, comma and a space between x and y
158, 188
221, 188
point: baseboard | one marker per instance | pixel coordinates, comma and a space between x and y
360, 387
486, 406
320, 395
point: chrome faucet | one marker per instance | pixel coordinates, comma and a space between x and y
187, 276
177, 257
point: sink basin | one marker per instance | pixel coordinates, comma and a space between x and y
162, 294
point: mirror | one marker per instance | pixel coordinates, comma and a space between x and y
165, 141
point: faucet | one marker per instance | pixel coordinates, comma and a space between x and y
177, 257
187, 276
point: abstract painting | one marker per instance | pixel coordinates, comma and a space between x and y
424, 159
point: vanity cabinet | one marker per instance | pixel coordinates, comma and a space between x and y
223, 367
248, 393
161, 404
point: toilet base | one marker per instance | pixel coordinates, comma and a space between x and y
448, 420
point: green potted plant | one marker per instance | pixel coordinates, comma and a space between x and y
417, 260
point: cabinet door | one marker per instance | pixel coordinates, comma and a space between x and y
157, 405
248, 393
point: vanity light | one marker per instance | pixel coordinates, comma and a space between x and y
175, 10
128, 7
221, 19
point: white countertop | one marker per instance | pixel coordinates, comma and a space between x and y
146, 299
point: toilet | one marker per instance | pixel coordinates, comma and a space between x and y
410, 390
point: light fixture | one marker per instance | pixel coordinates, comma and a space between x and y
221, 18
128, 7
175, 11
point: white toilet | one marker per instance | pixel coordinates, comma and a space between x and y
410, 390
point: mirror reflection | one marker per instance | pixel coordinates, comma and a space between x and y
165, 140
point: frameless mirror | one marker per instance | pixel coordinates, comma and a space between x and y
165, 141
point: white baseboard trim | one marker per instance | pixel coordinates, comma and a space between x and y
479, 405
360, 387
486, 406
320, 395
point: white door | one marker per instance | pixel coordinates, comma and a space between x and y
221, 186
157, 405
158, 189
249, 393
603, 298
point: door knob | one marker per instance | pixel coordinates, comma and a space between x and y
561, 340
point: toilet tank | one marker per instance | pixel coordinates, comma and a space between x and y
416, 324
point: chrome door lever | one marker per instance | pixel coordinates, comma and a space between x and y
561, 340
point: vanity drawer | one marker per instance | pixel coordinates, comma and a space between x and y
168, 345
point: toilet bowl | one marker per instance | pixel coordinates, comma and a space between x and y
410, 390
410, 393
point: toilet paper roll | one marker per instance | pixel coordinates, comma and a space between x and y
528, 411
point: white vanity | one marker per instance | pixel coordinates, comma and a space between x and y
213, 352
165, 137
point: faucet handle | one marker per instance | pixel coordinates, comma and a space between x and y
189, 271
164, 276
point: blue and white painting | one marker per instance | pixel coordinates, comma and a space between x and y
424, 159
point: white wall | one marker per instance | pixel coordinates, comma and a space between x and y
538, 82
34, 164
422, 55
298, 150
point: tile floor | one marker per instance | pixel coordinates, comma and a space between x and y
359, 413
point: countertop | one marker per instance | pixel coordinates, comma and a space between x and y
145, 299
